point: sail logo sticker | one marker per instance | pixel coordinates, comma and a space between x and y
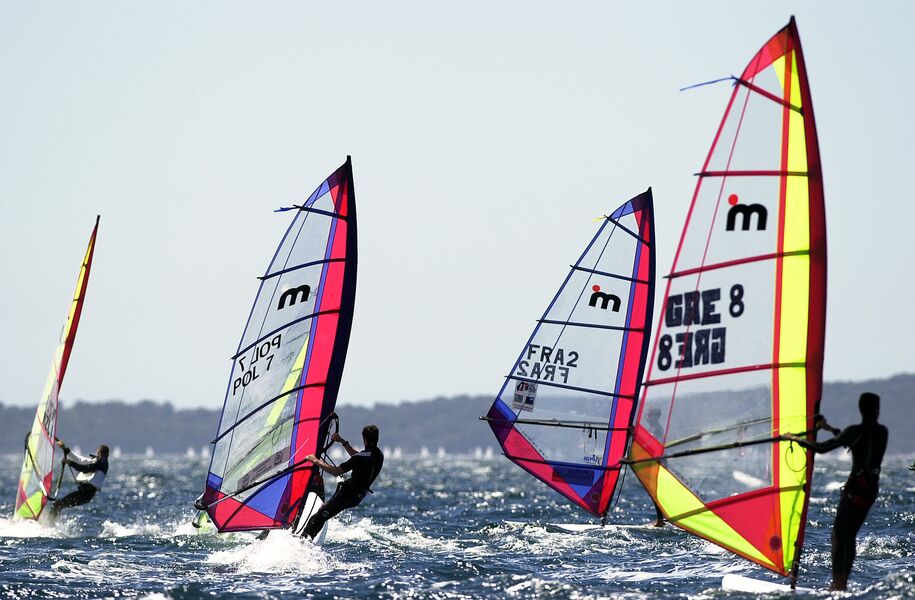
573, 476
293, 296
278, 458
525, 393
604, 298
746, 212
546, 363
702, 345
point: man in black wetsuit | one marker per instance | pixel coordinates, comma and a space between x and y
365, 466
867, 442
92, 471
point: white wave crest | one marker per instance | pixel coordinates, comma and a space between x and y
400, 534
22, 528
112, 529
279, 552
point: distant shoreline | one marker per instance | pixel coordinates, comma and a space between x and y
449, 423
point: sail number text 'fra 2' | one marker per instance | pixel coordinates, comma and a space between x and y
545, 363
700, 346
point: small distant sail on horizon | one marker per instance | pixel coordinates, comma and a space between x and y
36, 477
738, 357
565, 409
287, 369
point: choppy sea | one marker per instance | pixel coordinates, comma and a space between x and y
452, 527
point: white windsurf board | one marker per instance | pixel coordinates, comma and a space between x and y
582, 527
313, 504
739, 583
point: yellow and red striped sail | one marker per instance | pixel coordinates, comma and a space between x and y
38, 463
737, 360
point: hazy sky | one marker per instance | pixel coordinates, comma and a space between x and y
486, 136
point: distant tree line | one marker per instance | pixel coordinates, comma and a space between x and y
449, 423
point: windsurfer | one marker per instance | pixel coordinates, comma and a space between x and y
653, 422
365, 467
659, 516
92, 471
867, 442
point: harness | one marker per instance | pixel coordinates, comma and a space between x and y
861, 488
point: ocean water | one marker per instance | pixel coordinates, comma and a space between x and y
452, 527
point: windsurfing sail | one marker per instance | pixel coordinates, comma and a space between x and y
738, 356
287, 369
565, 409
37, 473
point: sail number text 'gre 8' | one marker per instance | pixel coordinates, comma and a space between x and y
702, 346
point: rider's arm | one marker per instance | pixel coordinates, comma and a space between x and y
843, 439
83, 464
349, 449
346, 445
332, 469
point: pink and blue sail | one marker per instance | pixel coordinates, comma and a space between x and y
288, 366
565, 410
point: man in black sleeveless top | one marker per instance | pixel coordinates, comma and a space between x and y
867, 442
365, 467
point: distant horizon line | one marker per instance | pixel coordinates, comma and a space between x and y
64, 401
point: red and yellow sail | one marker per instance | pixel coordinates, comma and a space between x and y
38, 462
738, 357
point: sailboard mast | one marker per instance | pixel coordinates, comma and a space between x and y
565, 409
37, 472
287, 369
738, 357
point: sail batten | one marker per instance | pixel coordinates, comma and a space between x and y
592, 325
752, 173
287, 369
737, 359
605, 274
265, 336
583, 365
768, 95
37, 471
571, 387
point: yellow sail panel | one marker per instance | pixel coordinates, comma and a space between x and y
737, 361
682, 508
37, 472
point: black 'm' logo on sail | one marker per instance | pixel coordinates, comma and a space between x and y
746, 212
293, 295
605, 299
